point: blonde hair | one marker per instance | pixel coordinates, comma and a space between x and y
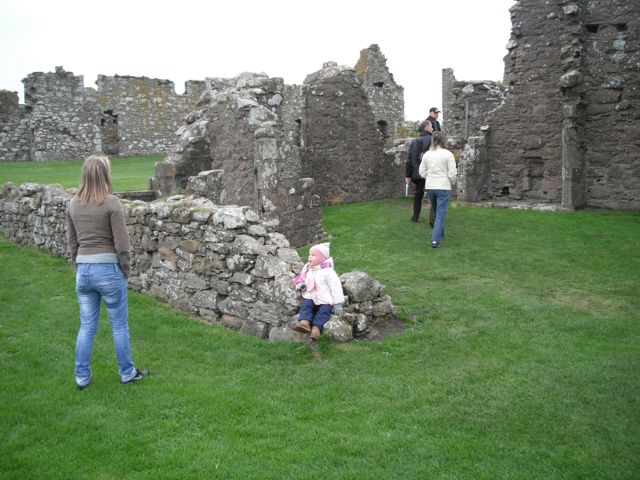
95, 183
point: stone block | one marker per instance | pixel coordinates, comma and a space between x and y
338, 330
269, 267
207, 299
359, 286
231, 322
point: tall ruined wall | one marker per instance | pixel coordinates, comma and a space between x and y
344, 151
147, 112
63, 119
468, 105
237, 131
15, 136
566, 132
611, 83
525, 134
138, 115
386, 97
221, 264
284, 150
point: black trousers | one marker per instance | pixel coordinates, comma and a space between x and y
417, 202
417, 197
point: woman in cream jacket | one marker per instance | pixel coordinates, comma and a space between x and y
438, 167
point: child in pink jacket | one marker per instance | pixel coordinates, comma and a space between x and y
321, 289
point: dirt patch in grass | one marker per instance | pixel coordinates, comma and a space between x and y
382, 329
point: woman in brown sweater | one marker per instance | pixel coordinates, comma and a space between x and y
99, 248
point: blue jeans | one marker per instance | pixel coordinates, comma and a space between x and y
440, 201
106, 282
318, 315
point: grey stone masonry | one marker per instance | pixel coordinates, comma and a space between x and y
567, 132
237, 136
219, 263
126, 115
386, 97
344, 151
147, 112
468, 105
15, 137
63, 120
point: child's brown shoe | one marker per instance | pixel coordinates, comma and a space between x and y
302, 326
315, 333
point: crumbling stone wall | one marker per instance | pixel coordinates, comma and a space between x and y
147, 111
63, 120
221, 264
344, 151
386, 97
237, 132
610, 77
285, 150
15, 136
138, 115
565, 134
468, 105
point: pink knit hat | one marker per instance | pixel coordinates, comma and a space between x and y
321, 251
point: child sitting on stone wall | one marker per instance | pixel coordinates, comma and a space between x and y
321, 289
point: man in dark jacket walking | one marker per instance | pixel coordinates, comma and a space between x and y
433, 118
416, 149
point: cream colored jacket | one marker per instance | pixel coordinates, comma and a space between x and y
328, 288
438, 167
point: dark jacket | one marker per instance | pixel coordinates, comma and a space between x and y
414, 157
435, 124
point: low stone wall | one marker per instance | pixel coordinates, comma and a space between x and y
219, 263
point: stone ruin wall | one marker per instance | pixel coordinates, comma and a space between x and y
566, 133
386, 98
235, 149
611, 83
148, 112
328, 130
343, 152
221, 264
15, 138
468, 105
285, 150
63, 116
63, 120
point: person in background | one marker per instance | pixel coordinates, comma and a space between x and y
438, 167
99, 248
433, 118
321, 289
412, 169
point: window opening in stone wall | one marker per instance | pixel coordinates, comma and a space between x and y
378, 84
299, 132
621, 27
110, 137
111, 114
382, 128
592, 28
504, 192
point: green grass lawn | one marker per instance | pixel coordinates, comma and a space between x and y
128, 173
521, 360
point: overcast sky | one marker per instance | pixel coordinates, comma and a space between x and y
191, 40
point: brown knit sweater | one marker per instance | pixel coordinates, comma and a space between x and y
100, 228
